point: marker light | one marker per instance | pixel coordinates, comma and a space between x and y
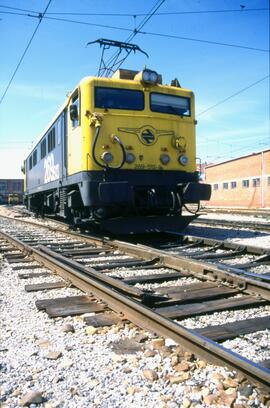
183, 160
165, 159
107, 157
130, 158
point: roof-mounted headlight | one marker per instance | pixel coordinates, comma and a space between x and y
153, 77
148, 76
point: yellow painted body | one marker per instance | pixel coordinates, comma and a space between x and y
175, 135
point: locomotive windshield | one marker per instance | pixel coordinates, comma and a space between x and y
175, 105
119, 98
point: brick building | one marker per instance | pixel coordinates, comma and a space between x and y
243, 182
10, 186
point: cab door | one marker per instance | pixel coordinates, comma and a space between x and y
74, 135
63, 126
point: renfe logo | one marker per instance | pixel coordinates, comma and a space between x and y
51, 169
148, 136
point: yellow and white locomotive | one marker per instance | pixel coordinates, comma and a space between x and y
119, 153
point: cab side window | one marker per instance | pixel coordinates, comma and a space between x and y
51, 140
74, 110
30, 162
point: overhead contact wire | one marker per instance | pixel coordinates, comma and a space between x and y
25, 51
233, 95
138, 31
240, 10
153, 10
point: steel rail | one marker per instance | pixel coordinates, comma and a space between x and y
207, 241
145, 318
253, 249
242, 211
224, 274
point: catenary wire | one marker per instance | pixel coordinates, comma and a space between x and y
240, 10
16, 13
25, 51
147, 33
177, 37
169, 13
19, 9
150, 14
233, 95
235, 151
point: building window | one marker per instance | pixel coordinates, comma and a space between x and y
233, 184
245, 183
51, 140
43, 149
30, 163
215, 187
17, 187
268, 181
3, 186
256, 182
34, 158
225, 186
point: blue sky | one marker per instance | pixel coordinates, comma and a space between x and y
58, 58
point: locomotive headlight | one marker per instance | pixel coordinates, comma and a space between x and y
107, 157
146, 76
130, 158
150, 77
183, 160
153, 77
165, 158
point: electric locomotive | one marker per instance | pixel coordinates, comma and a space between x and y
120, 153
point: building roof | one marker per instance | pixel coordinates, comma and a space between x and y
238, 158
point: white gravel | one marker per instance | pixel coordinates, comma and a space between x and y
88, 374
254, 346
250, 345
242, 236
177, 282
127, 273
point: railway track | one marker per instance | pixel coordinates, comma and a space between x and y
155, 288
241, 259
258, 212
253, 225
